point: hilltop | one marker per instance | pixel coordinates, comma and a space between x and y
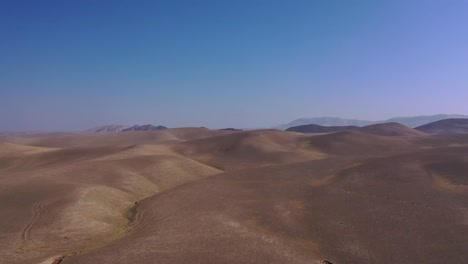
390, 129
312, 128
446, 126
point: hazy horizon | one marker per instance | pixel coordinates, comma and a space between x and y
69, 66
275, 126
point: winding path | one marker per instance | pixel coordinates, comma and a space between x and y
38, 210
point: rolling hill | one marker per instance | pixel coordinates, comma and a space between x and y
446, 126
390, 129
325, 121
194, 195
319, 129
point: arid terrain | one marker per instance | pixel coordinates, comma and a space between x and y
446, 126
381, 194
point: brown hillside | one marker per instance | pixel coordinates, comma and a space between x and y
249, 149
446, 126
389, 129
127, 138
356, 144
194, 195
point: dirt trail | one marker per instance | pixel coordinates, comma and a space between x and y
38, 210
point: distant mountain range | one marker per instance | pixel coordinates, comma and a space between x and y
412, 121
381, 129
312, 128
107, 129
446, 126
123, 128
231, 129
144, 128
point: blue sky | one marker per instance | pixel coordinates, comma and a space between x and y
71, 65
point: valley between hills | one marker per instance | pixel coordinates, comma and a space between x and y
384, 193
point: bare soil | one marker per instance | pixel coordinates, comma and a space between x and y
194, 195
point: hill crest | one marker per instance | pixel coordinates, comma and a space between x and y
390, 129
446, 126
312, 128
